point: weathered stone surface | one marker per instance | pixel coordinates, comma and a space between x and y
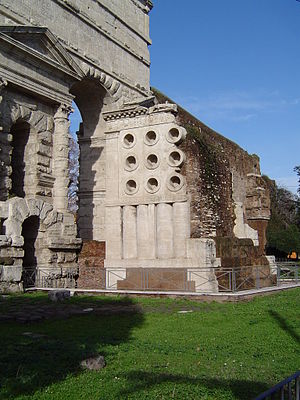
93, 363
4, 241
10, 273
59, 295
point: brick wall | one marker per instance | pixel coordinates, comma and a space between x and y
91, 265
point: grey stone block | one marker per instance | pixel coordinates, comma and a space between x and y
93, 363
59, 295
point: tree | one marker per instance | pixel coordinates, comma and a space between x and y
283, 232
73, 174
297, 170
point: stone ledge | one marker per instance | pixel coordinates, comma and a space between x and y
10, 273
67, 244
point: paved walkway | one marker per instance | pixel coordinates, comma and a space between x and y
203, 296
25, 311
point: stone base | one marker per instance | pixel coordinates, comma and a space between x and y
162, 279
11, 287
10, 273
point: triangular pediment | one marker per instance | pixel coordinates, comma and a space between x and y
41, 42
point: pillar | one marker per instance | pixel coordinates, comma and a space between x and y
113, 233
61, 158
164, 235
181, 228
129, 232
146, 231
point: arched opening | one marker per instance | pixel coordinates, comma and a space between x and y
75, 127
35, 248
30, 231
20, 159
90, 98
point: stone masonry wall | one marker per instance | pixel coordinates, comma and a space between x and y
107, 35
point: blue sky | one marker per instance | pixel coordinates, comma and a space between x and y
235, 65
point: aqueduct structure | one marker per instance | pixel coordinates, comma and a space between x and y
150, 192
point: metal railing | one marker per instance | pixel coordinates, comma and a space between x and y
50, 277
289, 389
211, 280
288, 271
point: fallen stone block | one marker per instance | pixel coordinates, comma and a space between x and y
93, 363
59, 295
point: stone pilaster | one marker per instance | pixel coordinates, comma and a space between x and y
61, 158
3, 167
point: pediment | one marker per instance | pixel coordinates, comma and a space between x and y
40, 42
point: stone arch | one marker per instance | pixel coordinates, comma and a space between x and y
22, 161
91, 98
30, 234
39, 121
41, 131
20, 209
111, 85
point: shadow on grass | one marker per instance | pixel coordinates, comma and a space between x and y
54, 348
284, 325
139, 381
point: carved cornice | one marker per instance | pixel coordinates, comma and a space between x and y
61, 60
129, 113
133, 112
145, 5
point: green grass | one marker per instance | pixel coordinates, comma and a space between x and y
218, 351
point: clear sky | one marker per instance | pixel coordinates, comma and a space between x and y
235, 65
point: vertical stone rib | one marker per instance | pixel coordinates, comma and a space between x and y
164, 225
152, 231
145, 232
181, 227
129, 232
113, 223
112, 168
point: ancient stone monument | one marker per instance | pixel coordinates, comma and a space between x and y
158, 191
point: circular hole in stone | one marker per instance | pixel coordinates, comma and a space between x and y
128, 140
131, 186
174, 135
152, 185
175, 158
152, 161
151, 138
175, 183
131, 163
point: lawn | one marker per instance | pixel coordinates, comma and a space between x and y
153, 351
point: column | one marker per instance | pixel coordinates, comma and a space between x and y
152, 230
113, 232
145, 237
164, 235
5, 147
129, 232
181, 227
61, 158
